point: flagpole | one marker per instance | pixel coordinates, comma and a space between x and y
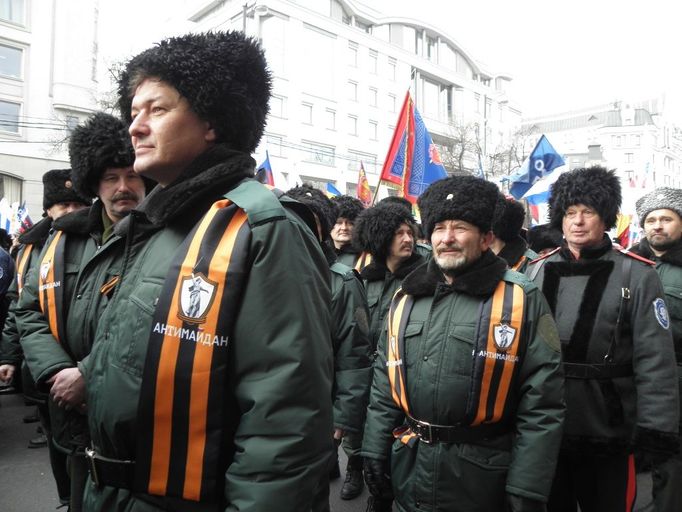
376, 192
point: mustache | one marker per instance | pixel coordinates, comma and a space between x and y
125, 196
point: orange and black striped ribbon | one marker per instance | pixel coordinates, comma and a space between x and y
363, 260
519, 263
181, 415
51, 285
22, 263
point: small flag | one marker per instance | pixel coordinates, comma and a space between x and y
264, 172
23, 219
623, 230
542, 161
6, 215
412, 162
364, 193
332, 191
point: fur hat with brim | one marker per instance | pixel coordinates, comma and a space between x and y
58, 187
319, 204
375, 228
595, 187
466, 198
101, 143
349, 207
508, 220
223, 76
661, 198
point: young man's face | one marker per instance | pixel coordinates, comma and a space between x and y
120, 190
166, 134
663, 229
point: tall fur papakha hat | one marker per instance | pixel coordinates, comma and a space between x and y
101, 143
595, 187
58, 187
544, 237
466, 198
660, 198
508, 220
349, 207
323, 207
223, 76
375, 228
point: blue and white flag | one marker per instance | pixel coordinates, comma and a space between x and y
541, 162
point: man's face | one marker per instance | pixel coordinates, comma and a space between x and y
402, 244
166, 134
60, 209
663, 229
120, 190
582, 227
457, 244
342, 232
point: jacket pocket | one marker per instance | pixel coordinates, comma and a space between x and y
143, 301
485, 457
458, 351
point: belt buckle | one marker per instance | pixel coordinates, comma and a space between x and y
90, 456
425, 431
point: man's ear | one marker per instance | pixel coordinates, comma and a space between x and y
486, 240
210, 135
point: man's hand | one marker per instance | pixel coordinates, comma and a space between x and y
68, 389
377, 479
338, 434
7, 372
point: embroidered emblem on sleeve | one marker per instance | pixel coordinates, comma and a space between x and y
661, 313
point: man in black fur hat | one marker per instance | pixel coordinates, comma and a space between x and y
54, 338
342, 233
618, 357
60, 197
468, 376
507, 242
209, 380
350, 339
544, 238
660, 215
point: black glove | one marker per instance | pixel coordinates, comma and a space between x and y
377, 479
520, 504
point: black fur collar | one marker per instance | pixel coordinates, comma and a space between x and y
376, 271
346, 249
82, 222
329, 253
513, 250
589, 253
672, 255
38, 233
480, 279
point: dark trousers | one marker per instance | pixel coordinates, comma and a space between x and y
58, 460
596, 483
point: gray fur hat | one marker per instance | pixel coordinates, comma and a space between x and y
102, 142
466, 198
223, 76
664, 197
595, 187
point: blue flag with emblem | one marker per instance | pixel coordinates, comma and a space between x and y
542, 161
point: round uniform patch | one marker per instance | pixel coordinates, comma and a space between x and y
661, 313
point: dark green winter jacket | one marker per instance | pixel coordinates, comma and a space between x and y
280, 351
439, 338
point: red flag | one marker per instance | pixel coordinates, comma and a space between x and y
364, 193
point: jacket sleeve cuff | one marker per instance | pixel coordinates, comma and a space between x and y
655, 441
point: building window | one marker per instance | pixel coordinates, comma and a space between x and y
10, 61
319, 153
392, 65
373, 96
365, 27
373, 61
307, 113
330, 115
10, 188
373, 130
629, 157
636, 140
617, 140
277, 106
431, 49
352, 90
352, 54
12, 11
352, 125
666, 180
9, 116
71, 123
477, 102
273, 144
391, 102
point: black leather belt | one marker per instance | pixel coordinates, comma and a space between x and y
431, 433
110, 472
597, 371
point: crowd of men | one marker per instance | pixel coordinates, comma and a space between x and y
198, 341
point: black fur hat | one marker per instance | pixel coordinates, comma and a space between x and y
58, 187
349, 207
319, 204
464, 198
223, 76
401, 201
375, 227
102, 142
595, 187
544, 237
508, 220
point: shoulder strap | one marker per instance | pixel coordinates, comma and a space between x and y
51, 285
624, 297
22, 264
260, 204
631, 254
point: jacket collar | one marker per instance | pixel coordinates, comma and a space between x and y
38, 233
589, 253
345, 249
479, 280
82, 222
672, 255
377, 270
513, 250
